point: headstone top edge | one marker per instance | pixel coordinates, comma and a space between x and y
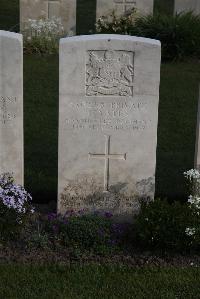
94, 37
10, 34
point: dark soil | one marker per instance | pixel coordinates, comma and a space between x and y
10, 254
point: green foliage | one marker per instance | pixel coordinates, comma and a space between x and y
117, 25
9, 228
89, 232
34, 235
15, 207
91, 281
42, 36
179, 34
163, 226
38, 45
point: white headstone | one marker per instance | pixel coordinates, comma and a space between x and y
11, 105
48, 9
120, 7
187, 5
108, 111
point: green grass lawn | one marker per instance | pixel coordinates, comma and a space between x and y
177, 126
164, 6
94, 281
41, 125
9, 15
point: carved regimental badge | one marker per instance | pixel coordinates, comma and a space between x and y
109, 73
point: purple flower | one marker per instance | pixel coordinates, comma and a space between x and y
112, 242
14, 196
52, 216
55, 228
108, 215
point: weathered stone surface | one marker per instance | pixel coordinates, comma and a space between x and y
47, 9
108, 110
11, 105
105, 7
187, 5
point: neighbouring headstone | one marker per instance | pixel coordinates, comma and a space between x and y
11, 105
48, 9
187, 5
108, 112
120, 7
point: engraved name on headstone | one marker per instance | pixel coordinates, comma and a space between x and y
11, 105
109, 93
120, 7
48, 9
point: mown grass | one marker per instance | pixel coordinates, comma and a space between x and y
41, 125
95, 281
176, 127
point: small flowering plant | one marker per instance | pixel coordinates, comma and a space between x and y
117, 25
47, 27
15, 206
193, 178
94, 232
42, 36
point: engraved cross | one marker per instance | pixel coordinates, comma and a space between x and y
107, 156
125, 3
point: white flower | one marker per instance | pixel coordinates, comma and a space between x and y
44, 28
32, 210
192, 174
190, 231
194, 200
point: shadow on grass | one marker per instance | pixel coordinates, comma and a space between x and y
177, 127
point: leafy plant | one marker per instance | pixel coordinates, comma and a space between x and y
86, 232
15, 207
42, 36
162, 225
179, 34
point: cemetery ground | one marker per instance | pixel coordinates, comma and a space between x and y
176, 140
142, 276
